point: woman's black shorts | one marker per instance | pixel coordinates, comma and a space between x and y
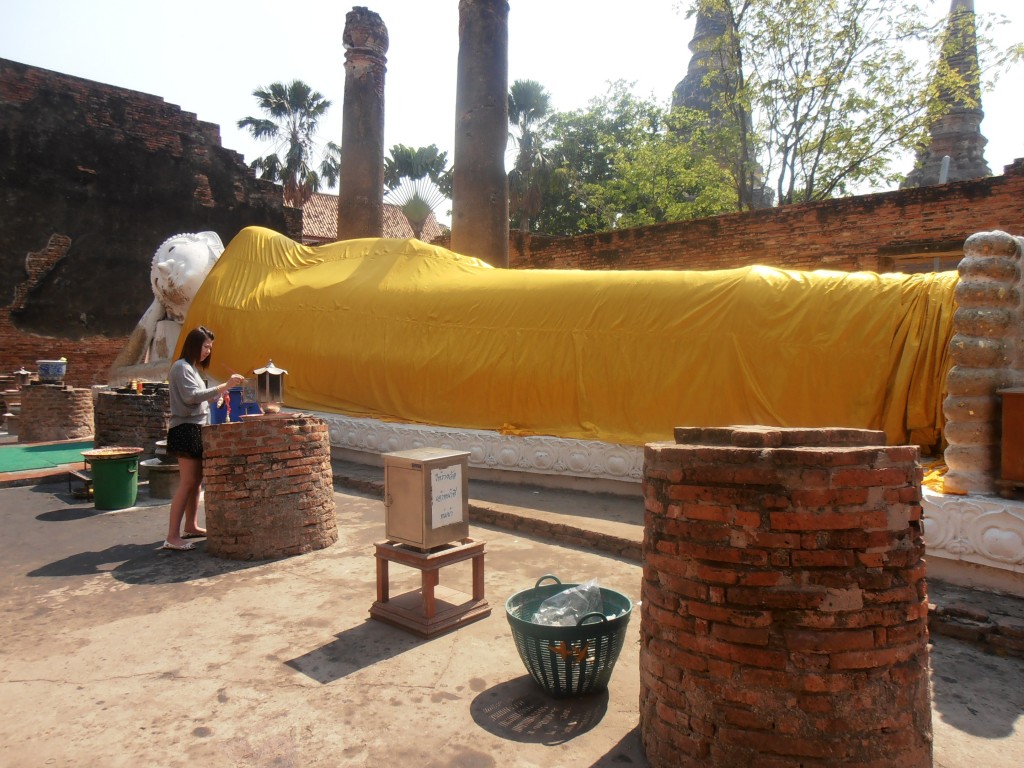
185, 440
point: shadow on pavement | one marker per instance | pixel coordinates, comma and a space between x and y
355, 648
518, 710
980, 694
67, 514
629, 751
143, 564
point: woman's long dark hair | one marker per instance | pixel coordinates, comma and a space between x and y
192, 349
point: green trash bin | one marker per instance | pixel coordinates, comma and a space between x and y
115, 476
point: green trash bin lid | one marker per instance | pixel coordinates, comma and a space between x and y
111, 452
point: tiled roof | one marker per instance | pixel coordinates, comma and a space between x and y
395, 222
320, 221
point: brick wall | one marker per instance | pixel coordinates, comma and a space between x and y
269, 487
890, 231
54, 412
784, 609
94, 178
132, 420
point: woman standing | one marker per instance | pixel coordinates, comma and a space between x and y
190, 399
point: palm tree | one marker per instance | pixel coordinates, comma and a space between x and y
408, 163
529, 106
294, 112
417, 181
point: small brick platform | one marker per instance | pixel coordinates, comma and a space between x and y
268, 487
784, 613
52, 412
133, 419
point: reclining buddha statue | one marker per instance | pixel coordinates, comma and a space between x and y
402, 331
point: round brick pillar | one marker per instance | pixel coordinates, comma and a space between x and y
269, 489
784, 613
132, 419
54, 412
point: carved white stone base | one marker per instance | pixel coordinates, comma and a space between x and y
542, 455
983, 533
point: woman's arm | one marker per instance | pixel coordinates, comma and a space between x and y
193, 389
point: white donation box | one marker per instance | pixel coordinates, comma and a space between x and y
426, 497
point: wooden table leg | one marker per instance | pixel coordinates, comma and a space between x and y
478, 577
382, 580
431, 578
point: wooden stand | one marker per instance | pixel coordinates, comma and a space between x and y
84, 476
432, 609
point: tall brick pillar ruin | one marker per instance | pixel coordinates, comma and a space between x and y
987, 350
480, 186
784, 610
361, 192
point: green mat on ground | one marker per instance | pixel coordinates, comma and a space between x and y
17, 458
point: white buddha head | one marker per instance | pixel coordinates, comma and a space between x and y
179, 267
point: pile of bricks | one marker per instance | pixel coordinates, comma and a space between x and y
989, 620
269, 490
54, 412
784, 609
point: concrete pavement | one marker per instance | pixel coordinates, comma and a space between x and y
116, 653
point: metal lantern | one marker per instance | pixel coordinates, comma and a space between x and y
270, 387
249, 395
21, 377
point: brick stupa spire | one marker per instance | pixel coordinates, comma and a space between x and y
956, 133
697, 90
711, 80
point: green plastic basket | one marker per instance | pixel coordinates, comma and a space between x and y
568, 661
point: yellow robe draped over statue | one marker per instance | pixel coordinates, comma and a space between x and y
400, 330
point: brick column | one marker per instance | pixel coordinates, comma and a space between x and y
784, 613
268, 487
479, 182
54, 412
361, 194
130, 419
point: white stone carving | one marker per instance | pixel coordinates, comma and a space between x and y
539, 454
976, 529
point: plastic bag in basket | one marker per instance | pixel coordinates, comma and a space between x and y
567, 607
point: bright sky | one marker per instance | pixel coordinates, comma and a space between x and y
208, 56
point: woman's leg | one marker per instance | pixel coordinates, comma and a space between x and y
192, 506
190, 473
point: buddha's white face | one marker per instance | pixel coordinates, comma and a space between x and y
179, 268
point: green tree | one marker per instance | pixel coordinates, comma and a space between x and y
417, 181
623, 161
828, 94
529, 106
583, 146
419, 163
661, 176
293, 113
